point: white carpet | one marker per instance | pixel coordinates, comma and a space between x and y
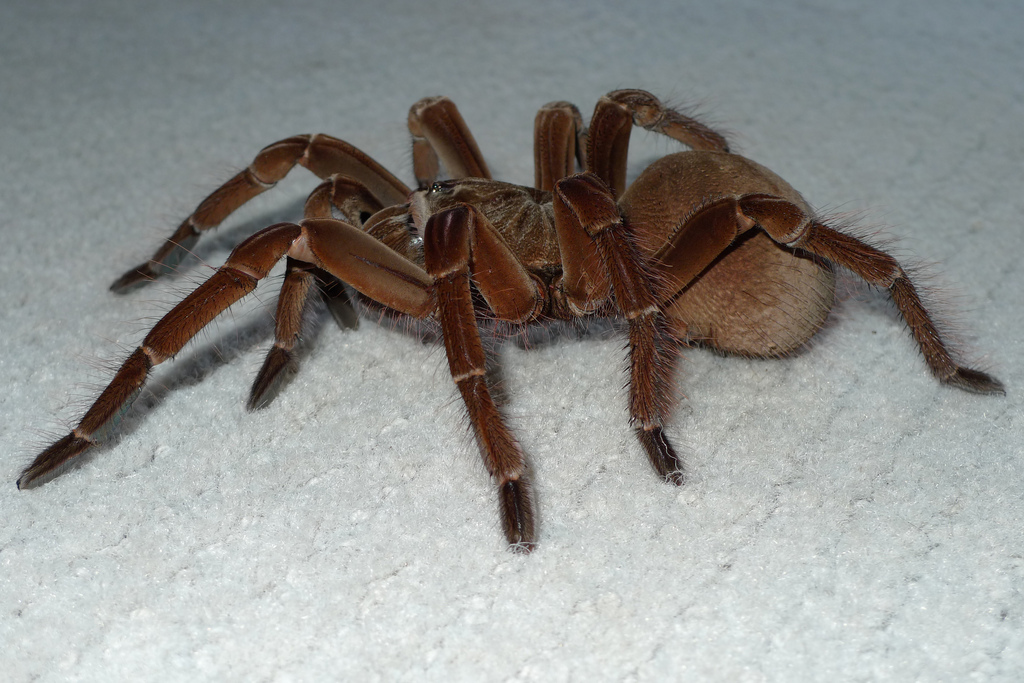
846, 517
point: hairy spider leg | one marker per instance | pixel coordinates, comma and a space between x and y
321, 154
353, 201
438, 131
337, 247
458, 244
559, 143
788, 225
614, 117
440, 135
602, 264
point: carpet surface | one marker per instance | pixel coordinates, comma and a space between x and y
845, 517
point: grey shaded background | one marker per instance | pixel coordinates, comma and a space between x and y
846, 516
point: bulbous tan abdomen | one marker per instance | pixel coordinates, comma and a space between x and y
758, 298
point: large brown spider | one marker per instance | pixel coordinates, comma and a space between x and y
704, 247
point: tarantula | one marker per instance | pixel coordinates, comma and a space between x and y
704, 247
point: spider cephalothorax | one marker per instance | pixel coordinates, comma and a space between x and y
704, 247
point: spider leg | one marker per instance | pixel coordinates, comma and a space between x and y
440, 135
559, 141
455, 239
695, 244
460, 246
614, 117
299, 282
331, 253
787, 224
586, 210
321, 154
249, 262
337, 247
355, 202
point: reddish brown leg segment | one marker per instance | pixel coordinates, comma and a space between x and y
787, 224
321, 154
440, 135
369, 266
558, 143
249, 262
584, 206
614, 116
447, 250
511, 293
291, 303
695, 244
353, 200
344, 195
336, 247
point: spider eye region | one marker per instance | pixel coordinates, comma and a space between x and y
441, 187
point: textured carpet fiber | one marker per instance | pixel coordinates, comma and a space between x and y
845, 518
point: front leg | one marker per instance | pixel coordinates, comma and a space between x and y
322, 154
453, 240
352, 200
343, 250
600, 260
249, 262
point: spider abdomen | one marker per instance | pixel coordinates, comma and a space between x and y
757, 297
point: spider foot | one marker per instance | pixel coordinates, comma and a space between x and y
661, 454
50, 461
975, 381
270, 378
136, 277
517, 515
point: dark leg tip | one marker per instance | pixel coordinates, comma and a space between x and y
661, 454
975, 381
517, 515
134, 278
270, 378
50, 462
